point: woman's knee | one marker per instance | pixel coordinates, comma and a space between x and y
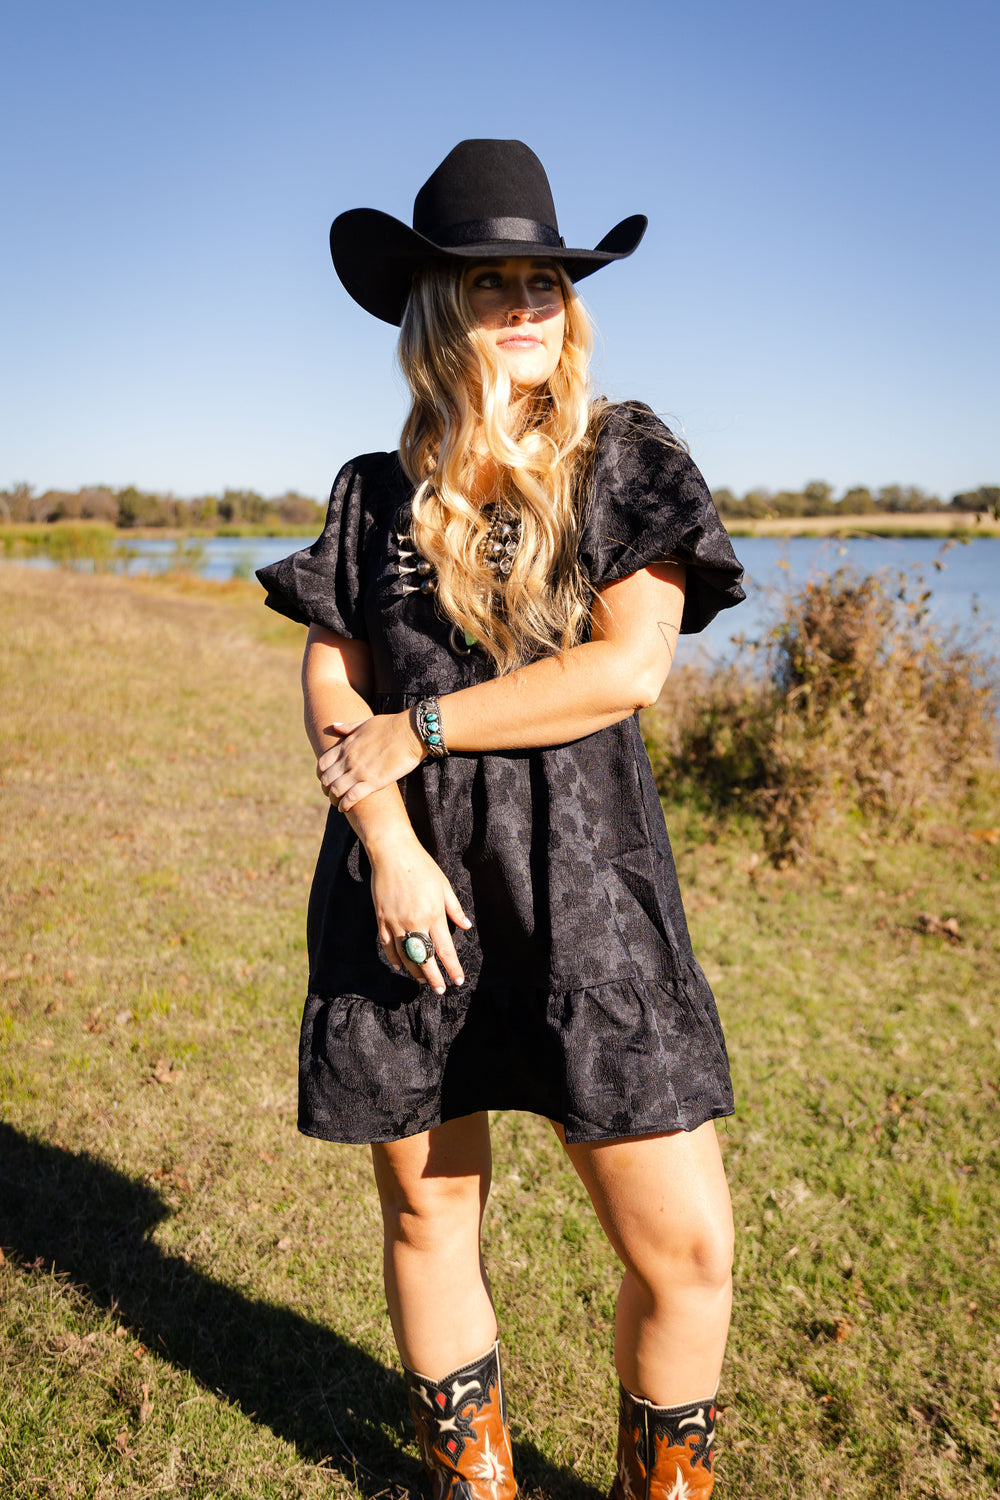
431, 1202
423, 1209
665, 1206
708, 1252
695, 1255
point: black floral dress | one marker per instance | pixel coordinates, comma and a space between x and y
583, 1001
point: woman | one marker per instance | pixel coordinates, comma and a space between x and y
495, 921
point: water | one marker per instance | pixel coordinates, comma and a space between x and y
221, 557
964, 580
215, 557
965, 588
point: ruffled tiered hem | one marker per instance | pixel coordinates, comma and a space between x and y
623, 1058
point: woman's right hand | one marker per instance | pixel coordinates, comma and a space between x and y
412, 894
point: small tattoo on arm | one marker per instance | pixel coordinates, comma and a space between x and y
667, 631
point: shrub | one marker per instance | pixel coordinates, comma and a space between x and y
850, 703
299, 510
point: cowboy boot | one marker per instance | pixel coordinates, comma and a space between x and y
461, 1424
664, 1452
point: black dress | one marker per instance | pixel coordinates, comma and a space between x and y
583, 1001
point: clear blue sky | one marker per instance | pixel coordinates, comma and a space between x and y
817, 295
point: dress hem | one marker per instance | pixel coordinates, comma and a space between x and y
573, 1138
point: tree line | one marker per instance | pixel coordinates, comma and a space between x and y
817, 499
131, 507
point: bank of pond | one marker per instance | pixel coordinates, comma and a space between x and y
960, 575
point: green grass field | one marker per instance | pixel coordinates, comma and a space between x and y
190, 1294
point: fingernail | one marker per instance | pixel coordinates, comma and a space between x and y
460, 979
439, 990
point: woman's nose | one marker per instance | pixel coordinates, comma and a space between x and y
520, 312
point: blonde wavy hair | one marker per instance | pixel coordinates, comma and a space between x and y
462, 414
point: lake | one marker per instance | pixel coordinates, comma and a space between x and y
964, 579
963, 576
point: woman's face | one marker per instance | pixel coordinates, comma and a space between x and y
521, 312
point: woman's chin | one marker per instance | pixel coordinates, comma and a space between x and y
527, 372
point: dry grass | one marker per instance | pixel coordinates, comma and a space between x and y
852, 706
942, 523
190, 1302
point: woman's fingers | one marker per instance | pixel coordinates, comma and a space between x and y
352, 794
453, 907
427, 973
412, 895
343, 790
329, 773
389, 948
331, 762
368, 756
431, 974
444, 955
331, 754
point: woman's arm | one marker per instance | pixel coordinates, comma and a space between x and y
560, 698
410, 891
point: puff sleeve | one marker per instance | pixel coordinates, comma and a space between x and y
322, 585
647, 502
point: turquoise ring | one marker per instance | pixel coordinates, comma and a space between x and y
418, 947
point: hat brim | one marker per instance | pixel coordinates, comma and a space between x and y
376, 255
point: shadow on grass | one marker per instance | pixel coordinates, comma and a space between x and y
310, 1385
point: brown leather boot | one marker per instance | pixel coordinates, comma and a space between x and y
664, 1452
461, 1424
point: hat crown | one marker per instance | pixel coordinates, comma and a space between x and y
484, 180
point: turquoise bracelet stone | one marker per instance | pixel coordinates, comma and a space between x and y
430, 728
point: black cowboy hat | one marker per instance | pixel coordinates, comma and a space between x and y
487, 199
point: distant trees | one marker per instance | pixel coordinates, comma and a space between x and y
242, 505
131, 507
299, 510
137, 508
986, 498
857, 501
816, 499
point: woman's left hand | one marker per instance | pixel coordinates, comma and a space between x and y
369, 755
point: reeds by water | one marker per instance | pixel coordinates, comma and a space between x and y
850, 705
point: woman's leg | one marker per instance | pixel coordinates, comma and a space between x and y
664, 1204
433, 1189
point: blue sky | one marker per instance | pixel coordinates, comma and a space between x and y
817, 295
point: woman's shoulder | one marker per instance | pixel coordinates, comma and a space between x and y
625, 425
322, 584
636, 459
371, 477
646, 502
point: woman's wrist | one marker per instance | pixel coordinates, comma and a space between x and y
414, 738
381, 823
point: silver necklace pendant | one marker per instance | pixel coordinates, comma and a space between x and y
416, 574
499, 546
496, 551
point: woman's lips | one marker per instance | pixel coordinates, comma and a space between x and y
519, 341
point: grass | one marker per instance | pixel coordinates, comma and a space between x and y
937, 524
190, 1299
